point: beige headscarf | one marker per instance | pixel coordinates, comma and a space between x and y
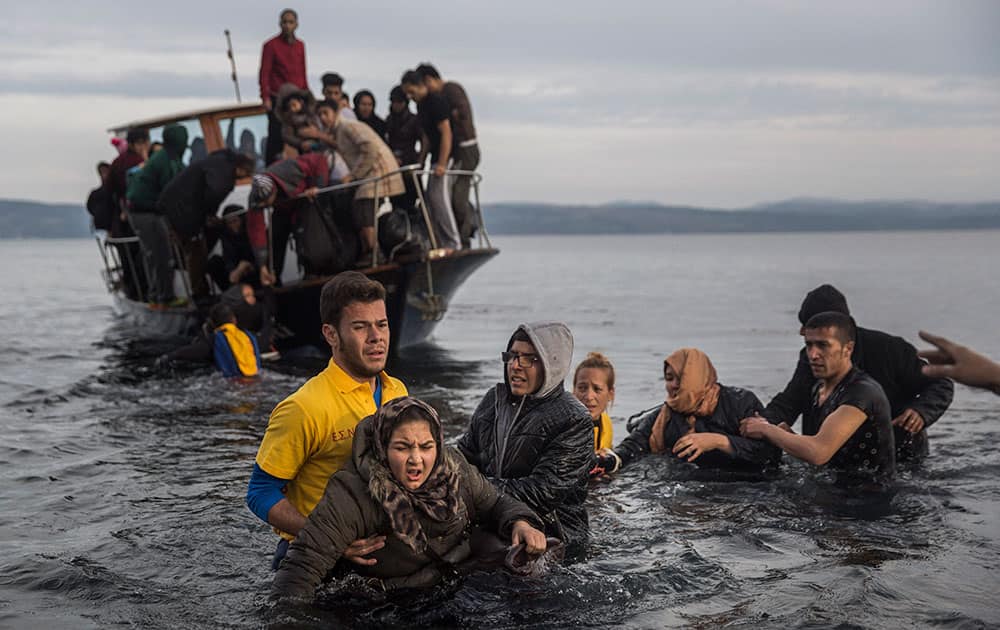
698, 395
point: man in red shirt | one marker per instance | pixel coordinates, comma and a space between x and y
283, 60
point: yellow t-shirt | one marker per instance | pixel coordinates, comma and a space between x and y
602, 432
310, 433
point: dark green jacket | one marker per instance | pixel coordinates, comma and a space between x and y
348, 512
145, 187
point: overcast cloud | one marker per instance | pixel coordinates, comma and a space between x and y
708, 103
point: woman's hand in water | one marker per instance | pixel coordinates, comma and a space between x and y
534, 540
694, 445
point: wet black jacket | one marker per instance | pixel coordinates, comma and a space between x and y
549, 447
894, 364
734, 405
197, 191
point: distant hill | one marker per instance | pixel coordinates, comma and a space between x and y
29, 219
794, 215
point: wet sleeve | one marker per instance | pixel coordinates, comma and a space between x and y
263, 492
863, 396
790, 403
636, 444
746, 449
562, 468
336, 522
930, 397
290, 440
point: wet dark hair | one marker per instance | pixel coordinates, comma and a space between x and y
292, 11
344, 289
427, 70
411, 77
597, 360
360, 95
823, 298
844, 324
137, 135
220, 314
329, 102
332, 78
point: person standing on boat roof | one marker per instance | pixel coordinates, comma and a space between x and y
533, 439
698, 423
847, 424
465, 147
282, 60
916, 400
309, 434
147, 216
594, 386
367, 155
333, 90
281, 183
403, 133
434, 114
192, 199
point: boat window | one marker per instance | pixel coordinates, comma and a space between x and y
196, 141
246, 134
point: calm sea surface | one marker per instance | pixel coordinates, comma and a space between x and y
122, 500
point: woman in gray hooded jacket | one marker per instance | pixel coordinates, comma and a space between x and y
533, 439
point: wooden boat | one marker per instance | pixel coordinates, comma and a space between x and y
419, 288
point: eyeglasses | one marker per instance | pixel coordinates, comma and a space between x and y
525, 360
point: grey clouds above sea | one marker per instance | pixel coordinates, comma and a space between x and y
582, 68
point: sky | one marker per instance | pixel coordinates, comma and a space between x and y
709, 103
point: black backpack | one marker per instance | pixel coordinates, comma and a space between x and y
322, 245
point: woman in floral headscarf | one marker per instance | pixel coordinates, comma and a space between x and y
403, 482
699, 422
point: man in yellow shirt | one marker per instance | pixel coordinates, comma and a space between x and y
309, 434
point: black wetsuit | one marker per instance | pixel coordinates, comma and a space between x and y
869, 455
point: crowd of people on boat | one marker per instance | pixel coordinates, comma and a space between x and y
354, 476
173, 208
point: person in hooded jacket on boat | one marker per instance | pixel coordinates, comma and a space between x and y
698, 423
533, 439
402, 481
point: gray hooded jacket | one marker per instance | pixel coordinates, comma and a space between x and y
539, 448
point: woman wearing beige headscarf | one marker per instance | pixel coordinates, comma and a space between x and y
699, 422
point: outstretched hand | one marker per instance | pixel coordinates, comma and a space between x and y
362, 547
955, 361
534, 540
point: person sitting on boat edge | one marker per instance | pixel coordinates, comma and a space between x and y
147, 216
367, 155
594, 387
402, 479
532, 438
916, 400
698, 423
309, 433
282, 183
847, 426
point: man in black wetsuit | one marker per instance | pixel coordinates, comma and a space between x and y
916, 400
846, 425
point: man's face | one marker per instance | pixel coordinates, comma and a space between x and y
415, 92
248, 294
360, 343
524, 380
327, 117
344, 102
332, 92
288, 24
433, 85
827, 355
366, 106
397, 106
